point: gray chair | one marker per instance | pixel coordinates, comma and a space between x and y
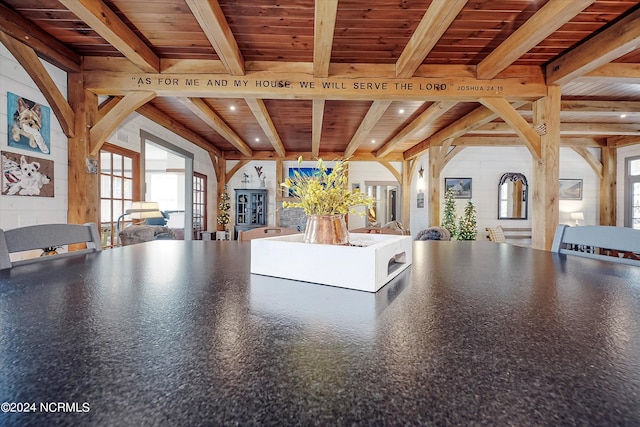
47, 236
617, 244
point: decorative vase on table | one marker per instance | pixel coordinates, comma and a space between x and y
327, 230
326, 198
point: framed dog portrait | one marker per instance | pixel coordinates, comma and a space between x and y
29, 124
26, 176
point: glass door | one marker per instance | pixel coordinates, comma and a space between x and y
632, 197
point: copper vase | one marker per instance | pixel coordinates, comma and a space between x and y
327, 230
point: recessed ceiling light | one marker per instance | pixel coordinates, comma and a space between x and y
232, 108
257, 139
373, 141
401, 111
623, 115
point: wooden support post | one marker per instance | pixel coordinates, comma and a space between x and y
279, 180
608, 186
407, 173
433, 218
84, 198
545, 208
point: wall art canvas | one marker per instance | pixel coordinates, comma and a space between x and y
26, 176
461, 187
29, 124
570, 189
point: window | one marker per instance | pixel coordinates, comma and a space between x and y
199, 204
119, 187
632, 198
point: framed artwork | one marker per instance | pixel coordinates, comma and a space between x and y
461, 187
304, 172
26, 176
420, 200
570, 189
29, 124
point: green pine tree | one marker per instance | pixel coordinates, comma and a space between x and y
449, 215
468, 227
223, 209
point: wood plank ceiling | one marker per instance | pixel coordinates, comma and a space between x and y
598, 41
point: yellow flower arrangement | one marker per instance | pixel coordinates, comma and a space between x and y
326, 192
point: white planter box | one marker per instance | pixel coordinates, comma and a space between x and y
363, 268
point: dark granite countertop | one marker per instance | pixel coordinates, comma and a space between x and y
180, 333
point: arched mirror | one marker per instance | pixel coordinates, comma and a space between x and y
512, 196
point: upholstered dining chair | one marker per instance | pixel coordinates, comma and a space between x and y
609, 243
47, 236
260, 232
496, 234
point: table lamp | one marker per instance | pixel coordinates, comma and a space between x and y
577, 216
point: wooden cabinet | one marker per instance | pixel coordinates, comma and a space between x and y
251, 209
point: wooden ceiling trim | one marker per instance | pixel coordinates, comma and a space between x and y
433, 25
110, 121
106, 23
316, 125
41, 42
154, 114
478, 117
324, 25
627, 73
579, 106
591, 159
27, 57
261, 114
514, 141
623, 141
206, 114
373, 116
214, 24
612, 43
434, 111
546, 21
568, 129
308, 155
517, 122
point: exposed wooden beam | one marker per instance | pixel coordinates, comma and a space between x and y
600, 107
105, 22
568, 129
434, 111
612, 43
375, 113
296, 85
434, 23
591, 159
397, 175
235, 169
261, 114
106, 106
472, 120
516, 121
618, 72
200, 108
623, 141
553, 15
101, 130
316, 125
324, 25
307, 155
29, 60
169, 123
45, 46
514, 141
214, 24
